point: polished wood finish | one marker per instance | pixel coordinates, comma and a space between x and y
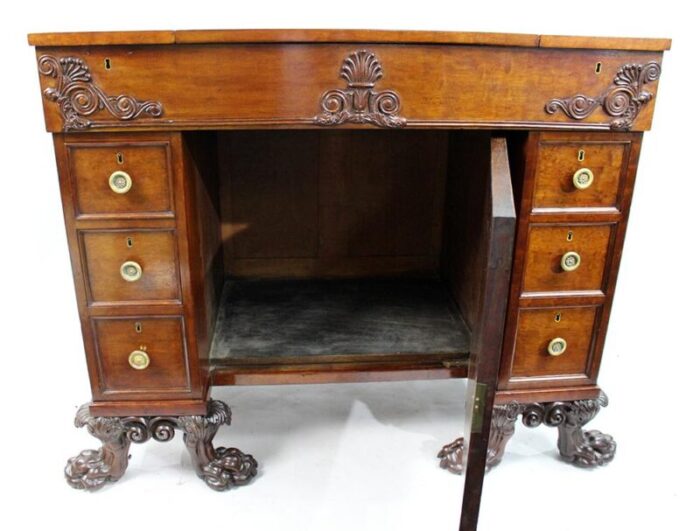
286, 36
490, 86
351, 155
147, 163
551, 288
104, 252
547, 244
559, 161
161, 338
537, 327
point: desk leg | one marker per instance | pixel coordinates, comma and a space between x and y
91, 469
220, 468
582, 448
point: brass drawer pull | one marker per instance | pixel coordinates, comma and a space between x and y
583, 178
557, 346
139, 360
570, 261
131, 271
120, 182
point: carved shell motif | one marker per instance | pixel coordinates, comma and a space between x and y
622, 100
78, 98
359, 103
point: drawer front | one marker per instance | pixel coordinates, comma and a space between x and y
579, 175
121, 180
542, 330
141, 355
563, 258
131, 266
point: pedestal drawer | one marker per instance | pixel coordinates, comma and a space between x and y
121, 179
141, 355
566, 258
578, 174
554, 341
130, 266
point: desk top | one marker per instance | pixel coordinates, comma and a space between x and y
345, 36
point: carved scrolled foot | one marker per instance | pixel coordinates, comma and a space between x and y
582, 448
585, 448
91, 469
452, 456
502, 429
220, 468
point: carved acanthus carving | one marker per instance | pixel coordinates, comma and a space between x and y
452, 456
78, 98
220, 468
622, 100
583, 448
359, 103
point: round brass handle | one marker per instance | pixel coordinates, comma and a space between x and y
120, 182
570, 261
131, 271
557, 346
583, 178
139, 360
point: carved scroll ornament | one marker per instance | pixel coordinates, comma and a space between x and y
79, 98
622, 100
359, 103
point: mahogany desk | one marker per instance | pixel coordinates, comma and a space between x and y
272, 207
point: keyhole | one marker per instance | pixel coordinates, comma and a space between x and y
108, 63
598, 67
129, 242
570, 236
120, 158
557, 317
138, 328
581, 155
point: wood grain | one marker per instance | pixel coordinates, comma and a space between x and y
343, 35
148, 165
278, 86
161, 338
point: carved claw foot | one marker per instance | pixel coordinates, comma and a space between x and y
452, 456
220, 468
91, 469
582, 448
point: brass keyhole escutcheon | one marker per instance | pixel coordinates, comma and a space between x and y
598, 67
120, 182
570, 236
570, 261
138, 327
556, 346
120, 157
581, 155
108, 63
129, 242
139, 360
131, 271
557, 317
583, 178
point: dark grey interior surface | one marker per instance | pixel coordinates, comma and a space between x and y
261, 320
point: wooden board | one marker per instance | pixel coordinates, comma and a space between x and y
332, 203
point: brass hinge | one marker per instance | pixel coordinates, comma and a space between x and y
478, 409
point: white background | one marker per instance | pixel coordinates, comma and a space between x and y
358, 456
